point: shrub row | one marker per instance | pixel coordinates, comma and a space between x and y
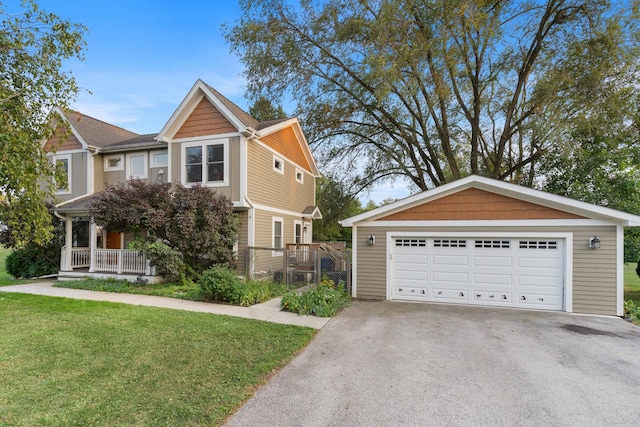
323, 300
33, 261
219, 283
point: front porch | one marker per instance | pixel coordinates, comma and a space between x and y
81, 262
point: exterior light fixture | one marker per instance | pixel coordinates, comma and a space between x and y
305, 229
594, 242
372, 240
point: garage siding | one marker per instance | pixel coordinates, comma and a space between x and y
594, 270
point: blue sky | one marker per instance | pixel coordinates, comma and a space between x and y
143, 56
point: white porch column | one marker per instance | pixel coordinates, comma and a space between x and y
68, 242
92, 244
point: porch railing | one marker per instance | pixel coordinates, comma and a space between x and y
120, 261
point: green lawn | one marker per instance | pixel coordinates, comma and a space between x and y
631, 283
73, 362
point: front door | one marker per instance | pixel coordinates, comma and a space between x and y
114, 240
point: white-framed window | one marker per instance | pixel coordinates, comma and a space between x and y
278, 164
114, 162
206, 163
297, 232
159, 159
63, 161
137, 166
278, 235
299, 176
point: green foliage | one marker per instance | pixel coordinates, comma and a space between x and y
222, 284
323, 300
33, 261
631, 244
33, 46
632, 311
263, 110
435, 90
167, 260
187, 229
336, 201
638, 268
188, 291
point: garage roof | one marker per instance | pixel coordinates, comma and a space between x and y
503, 188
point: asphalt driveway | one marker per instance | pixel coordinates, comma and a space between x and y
389, 364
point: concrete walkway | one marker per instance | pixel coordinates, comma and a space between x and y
268, 311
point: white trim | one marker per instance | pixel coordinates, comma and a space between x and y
277, 211
354, 262
61, 152
301, 224
204, 143
205, 138
251, 226
568, 253
308, 236
506, 189
64, 118
301, 173
620, 270
108, 168
277, 160
490, 223
153, 163
243, 169
128, 157
274, 220
69, 159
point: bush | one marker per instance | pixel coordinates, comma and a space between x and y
33, 261
222, 284
638, 268
631, 311
323, 300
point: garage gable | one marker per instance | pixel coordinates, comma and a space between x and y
476, 204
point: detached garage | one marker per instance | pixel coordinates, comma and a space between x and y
486, 242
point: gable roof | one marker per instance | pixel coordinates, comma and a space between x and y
518, 192
94, 132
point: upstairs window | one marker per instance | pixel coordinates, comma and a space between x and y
159, 159
278, 165
114, 163
205, 164
137, 166
63, 183
299, 176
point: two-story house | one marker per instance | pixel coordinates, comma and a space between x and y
265, 168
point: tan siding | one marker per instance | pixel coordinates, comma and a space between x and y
268, 187
594, 270
205, 120
231, 191
78, 177
265, 261
286, 143
475, 204
371, 264
98, 173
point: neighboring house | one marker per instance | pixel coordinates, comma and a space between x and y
265, 168
481, 241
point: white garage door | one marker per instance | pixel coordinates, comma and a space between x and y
527, 273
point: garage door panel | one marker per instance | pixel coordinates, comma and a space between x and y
500, 272
441, 277
460, 260
487, 261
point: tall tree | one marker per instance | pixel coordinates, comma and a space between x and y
431, 90
33, 46
263, 110
336, 202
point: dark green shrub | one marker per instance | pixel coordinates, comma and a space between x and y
631, 311
33, 261
222, 284
638, 268
323, 300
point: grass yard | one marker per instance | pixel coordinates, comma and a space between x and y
73, 362
631, 283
